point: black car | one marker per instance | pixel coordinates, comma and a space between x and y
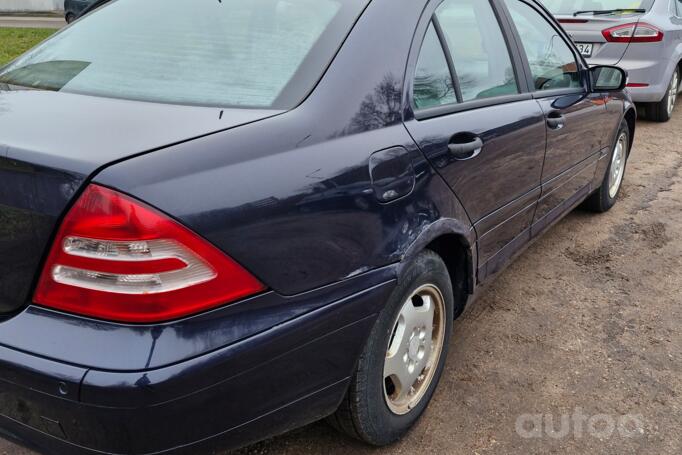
73, 9
221, 220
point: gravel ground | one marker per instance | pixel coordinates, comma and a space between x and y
584, 326
46, 21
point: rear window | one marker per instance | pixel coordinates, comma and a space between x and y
229, 53
567, 7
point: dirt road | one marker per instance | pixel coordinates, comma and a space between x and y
585, 326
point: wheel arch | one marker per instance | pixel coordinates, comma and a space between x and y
630, 118
454, 242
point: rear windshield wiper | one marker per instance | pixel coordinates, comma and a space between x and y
598, 12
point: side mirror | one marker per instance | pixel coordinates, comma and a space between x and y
608, 78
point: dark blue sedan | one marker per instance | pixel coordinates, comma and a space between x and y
222, 220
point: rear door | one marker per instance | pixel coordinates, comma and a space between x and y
575, 118
477, 123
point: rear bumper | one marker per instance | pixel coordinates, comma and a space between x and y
282, 378
643, 67
656, 74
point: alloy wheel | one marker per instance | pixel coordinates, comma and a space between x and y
414, 350
672, 92
618, 165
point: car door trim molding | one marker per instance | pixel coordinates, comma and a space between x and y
439, 111
558, 92
448, 58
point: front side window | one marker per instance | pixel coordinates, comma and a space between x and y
229, 53
433, 84
552, 63
478, 49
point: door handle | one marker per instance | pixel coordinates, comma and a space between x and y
463, 151
556, 120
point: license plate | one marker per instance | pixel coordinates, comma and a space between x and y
585, 49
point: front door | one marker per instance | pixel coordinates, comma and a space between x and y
478, 125
574, 116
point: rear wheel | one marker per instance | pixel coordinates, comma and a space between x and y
70, 17
663, 110
605, 197
403, 360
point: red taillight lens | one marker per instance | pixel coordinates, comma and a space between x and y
118, 259
633, 33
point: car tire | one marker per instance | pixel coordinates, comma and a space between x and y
605, 197
70, 17
376, 408
663, 110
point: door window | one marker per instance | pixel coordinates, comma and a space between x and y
433, 85
478, 49
552, 63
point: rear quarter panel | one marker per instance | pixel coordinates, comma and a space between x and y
676, 38
290, 197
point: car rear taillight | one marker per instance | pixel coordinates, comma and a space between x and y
118, 259
633, 33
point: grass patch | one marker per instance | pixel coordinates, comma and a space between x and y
16, 41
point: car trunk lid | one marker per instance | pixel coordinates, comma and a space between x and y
588, 29
52, 143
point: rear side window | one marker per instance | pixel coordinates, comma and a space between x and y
433, 85
552, 63
478, 48
228, 53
